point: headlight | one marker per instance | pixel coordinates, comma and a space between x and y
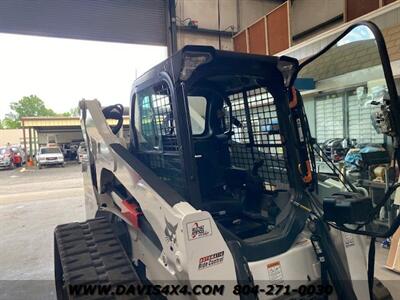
191, 61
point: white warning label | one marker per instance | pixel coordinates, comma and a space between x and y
275, 272
348, 240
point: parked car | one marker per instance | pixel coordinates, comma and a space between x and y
6, 158
19, 155
70, 151
50, 156
82, 153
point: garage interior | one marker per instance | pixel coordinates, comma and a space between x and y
33, 202
42, 131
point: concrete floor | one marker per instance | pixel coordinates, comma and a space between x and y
389, 278
32, 203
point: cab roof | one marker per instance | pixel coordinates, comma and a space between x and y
216, 58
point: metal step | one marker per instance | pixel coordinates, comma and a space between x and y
90, 254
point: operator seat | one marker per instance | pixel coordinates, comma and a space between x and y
214, 176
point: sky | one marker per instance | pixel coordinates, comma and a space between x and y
63, 71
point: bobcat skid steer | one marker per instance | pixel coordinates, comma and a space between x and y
216, 185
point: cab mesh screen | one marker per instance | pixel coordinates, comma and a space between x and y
159, 146
257, 138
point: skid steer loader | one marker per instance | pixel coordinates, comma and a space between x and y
215, 193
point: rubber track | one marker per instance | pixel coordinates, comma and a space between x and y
91, 254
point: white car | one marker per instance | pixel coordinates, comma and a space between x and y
50, 156
6, 158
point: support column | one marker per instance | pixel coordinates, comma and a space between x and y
24, 137
35, 141
172, 35
30, 142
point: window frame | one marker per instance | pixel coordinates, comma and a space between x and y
179, 106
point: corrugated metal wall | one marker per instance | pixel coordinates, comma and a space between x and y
341, 114
329, 117
359, 118
127, 21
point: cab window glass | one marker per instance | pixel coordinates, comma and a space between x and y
157, 136
152, 118
197, 110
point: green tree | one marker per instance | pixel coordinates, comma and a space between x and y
10, 122
28, 106
73, 112
31, 106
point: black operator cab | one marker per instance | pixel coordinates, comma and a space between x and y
217, 128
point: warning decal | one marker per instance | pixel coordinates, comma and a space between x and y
348, 240
275, 271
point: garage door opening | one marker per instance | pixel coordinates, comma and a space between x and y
60, 72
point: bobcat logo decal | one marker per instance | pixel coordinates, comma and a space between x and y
170, 231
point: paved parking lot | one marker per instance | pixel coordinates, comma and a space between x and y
32, 203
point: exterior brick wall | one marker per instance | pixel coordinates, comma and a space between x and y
12, 136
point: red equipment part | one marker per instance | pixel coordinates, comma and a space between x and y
131, 212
